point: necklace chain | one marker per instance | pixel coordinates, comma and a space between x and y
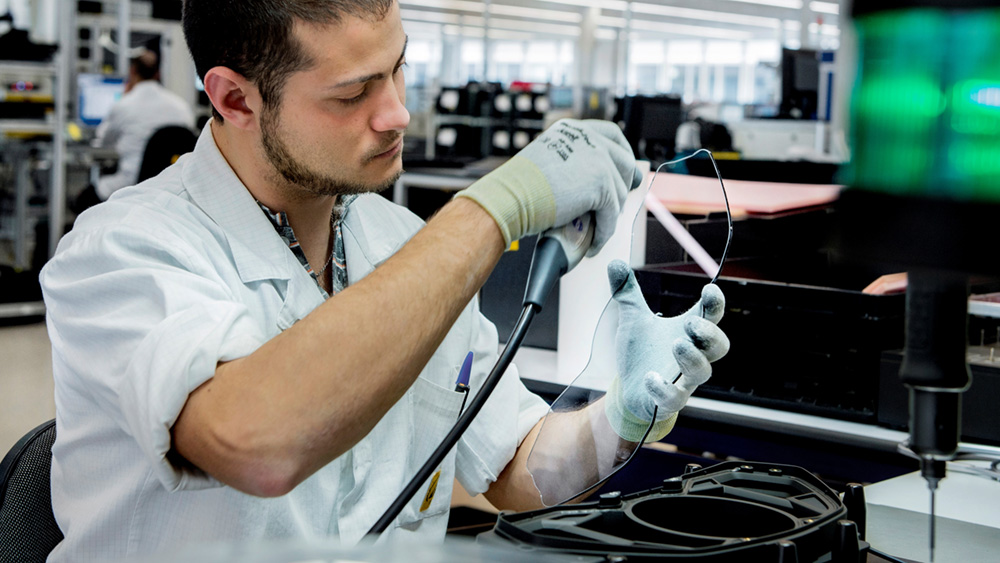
333, 246
329, 260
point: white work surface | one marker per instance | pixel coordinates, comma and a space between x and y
968, 518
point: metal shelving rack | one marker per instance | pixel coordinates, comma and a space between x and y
55, 126
438, 119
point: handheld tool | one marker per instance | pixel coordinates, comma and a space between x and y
557, 251
936, 371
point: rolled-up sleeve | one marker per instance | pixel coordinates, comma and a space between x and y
506, 418
142, 319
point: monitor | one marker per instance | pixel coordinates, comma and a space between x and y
561, 97
799, 83
650, 124
96, 94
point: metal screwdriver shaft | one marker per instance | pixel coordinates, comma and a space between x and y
933, 488
933, 470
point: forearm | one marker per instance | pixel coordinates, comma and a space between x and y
577, 450
514, 488
267, 421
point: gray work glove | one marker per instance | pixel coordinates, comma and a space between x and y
653, 350
572, 168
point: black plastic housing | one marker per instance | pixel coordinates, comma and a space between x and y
733, 511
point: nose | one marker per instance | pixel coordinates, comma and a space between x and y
391, 113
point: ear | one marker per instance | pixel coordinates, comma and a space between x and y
233, 96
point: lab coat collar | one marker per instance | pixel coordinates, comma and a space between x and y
258, 251
144, 85
374, 230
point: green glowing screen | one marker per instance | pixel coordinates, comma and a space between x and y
926, 104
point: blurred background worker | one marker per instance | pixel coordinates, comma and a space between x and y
146, 107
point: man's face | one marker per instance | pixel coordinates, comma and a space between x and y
339, 125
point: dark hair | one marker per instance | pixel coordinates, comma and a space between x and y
254, 37
146, 65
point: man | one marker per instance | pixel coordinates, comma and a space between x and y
253, 345
145, 107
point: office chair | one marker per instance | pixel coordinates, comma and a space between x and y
163, 148
28, 529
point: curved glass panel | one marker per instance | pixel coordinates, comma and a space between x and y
576, 448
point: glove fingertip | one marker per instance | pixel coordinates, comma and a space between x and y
683, 348
618, 273
707, 337
713, 302
671, 399
654, 382
695, 366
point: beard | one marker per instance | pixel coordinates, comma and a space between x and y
298, 174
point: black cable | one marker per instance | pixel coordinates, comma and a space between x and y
725, 198
885, 556
461, 409
516, 336
729, 217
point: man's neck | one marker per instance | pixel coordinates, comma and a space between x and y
308, 214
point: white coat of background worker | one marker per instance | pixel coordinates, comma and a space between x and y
253, 345
145, 107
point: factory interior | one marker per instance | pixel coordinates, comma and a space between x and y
832, 166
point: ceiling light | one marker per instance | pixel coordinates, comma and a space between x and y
695, 30
460, 5
536, 27
790, 4
421, 29
477, 33
688, 13
617, 5
535, 13
825, 7
435, 17
499, 9
608, 21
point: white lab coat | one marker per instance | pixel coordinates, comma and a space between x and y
133, 119
150, 291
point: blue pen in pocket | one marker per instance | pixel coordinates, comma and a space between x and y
462, 384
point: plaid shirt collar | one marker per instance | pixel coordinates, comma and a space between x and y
337, 261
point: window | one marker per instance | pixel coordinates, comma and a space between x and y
472, 60
730, 84
645, 78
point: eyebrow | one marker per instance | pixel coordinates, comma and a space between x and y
375, 76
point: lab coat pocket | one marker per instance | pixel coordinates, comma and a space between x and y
435, 411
